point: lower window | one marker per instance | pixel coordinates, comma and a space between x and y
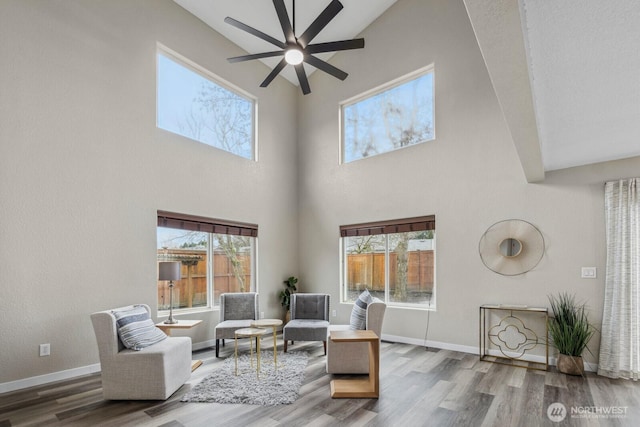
394, 265
211, 263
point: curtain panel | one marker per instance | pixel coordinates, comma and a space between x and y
620, 341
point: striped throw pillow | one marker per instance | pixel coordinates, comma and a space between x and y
136, 329
359, 311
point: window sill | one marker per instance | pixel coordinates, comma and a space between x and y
400, 306
412, 307
187, 311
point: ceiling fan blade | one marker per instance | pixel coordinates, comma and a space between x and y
335, 46
325, 66
255, 56
272, 75
283, 16
320, 22
302, 78
255, 32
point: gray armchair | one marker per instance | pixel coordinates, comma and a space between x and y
237, 311
353, 358
309, 319
153, 373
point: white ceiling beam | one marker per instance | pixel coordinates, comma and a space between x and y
498, 29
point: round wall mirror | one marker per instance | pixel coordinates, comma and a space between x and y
510, 247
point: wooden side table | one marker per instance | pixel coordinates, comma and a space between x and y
182, 324
359, 388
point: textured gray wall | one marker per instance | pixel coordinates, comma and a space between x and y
83, 170
469, 177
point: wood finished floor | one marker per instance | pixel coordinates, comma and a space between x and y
419, 387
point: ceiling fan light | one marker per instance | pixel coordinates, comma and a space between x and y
293, 56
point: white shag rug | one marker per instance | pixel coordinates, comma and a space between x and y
275, 387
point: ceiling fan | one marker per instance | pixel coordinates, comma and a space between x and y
297, 50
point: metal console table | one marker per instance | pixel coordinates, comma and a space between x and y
511, 338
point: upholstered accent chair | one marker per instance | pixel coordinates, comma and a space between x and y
237, 311
309, 319
152, 373
353, 358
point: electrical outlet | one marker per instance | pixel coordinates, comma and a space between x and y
45, 349
334, 313
262, 314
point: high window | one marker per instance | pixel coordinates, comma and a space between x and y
393, 116
215, 256
393, 260
195, 103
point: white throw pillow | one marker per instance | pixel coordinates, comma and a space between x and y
136, 329
359, 311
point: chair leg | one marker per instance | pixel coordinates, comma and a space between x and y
285, 346
217, 348
325, 347
223, 342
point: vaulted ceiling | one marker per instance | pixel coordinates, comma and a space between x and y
261, 15
566, 73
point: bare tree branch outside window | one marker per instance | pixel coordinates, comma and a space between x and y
392, 119
197, 107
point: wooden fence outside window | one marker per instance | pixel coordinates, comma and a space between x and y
191, 290
367, 270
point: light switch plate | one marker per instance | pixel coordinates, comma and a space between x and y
588, 272
45, 349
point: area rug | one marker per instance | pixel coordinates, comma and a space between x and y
275, 387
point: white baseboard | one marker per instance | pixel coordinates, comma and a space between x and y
536, 358
429, 343
90, 369
48, 378
589, 367
71, 373
203, 344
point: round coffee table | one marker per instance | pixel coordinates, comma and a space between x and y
273, 324
250, 333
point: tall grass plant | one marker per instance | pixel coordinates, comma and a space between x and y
569, 327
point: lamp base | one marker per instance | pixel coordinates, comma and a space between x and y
171, 320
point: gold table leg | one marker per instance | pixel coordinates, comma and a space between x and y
251, 351
258, 350
275, 349
236, 354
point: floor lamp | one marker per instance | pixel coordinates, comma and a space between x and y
169, 270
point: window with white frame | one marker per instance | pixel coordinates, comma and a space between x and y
215, 257
393, 260
395, 115
196, 104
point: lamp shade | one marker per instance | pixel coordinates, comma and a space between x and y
169, 270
